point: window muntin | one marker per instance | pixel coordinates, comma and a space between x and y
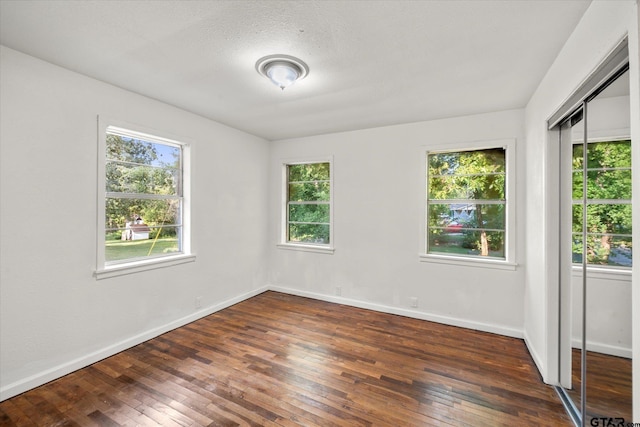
308, 203
467, 204
144, 204
609, 209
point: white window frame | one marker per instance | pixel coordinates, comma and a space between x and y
509, 262
306, 247
105, 270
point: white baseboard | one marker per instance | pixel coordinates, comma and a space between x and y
611, 350
51, 374
43, 377
447, 320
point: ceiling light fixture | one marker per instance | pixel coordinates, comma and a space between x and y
282, 70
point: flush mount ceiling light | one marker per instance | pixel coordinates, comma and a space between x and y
282, 70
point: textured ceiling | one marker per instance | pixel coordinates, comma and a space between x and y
372, 63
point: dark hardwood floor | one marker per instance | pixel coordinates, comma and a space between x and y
609, 385
282, 360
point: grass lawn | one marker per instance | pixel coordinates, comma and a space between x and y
124, 249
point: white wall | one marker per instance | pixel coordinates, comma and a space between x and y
378, 203
609, 323
601, 28
54, 316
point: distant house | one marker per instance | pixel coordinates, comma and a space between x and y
462, 212
136, 230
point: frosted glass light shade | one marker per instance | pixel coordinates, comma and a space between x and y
282, 70
282, 74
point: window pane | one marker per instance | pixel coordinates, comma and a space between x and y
608, 225
467, 216
476, 225
309, 172
467, 242
441, 215
309, 191
488, 216
447, 187
609, 154
490, 187
134, 150
603, 218
603, 184
309, 233
467, 162
122, 213
141, 243
308, 203
309, 213
604, 249
129, 178
143, 201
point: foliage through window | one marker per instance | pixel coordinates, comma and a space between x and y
308, 203
143, 197
466, 203
608, 203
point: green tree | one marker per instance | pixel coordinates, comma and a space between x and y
474, 178
309, 193
134, 166
608, 180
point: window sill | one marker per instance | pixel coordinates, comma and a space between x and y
469, 262
306, 248
139, 266
603, 273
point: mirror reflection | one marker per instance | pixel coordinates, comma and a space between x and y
598, 307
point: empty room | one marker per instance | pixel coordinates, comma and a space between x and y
285, 213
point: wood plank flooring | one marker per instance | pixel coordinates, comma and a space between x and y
609, 385
282, 360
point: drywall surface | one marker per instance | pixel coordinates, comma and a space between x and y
609, 323
54, 315
602, 27
379, 196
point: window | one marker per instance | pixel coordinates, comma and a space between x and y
468, 216
307, 209
142, 216
608, 203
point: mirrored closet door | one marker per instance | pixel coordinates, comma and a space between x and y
596, 250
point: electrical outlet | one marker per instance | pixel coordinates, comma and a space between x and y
414, 302
198, 302
338, 290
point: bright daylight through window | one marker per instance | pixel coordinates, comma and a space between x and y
308, 203
143, 197
608, 203
466, 203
